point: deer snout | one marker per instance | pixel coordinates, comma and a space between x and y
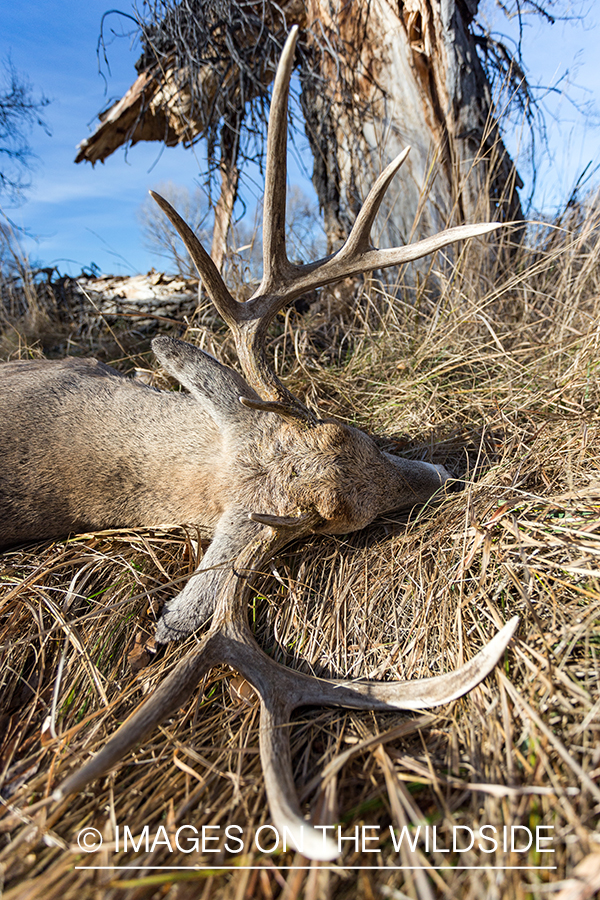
411, 482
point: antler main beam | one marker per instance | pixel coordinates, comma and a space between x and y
282, 281
281, 691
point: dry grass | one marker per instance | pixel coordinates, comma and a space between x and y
498, 378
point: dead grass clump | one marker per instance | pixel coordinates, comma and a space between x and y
501, 384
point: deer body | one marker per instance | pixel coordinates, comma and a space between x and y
85, 448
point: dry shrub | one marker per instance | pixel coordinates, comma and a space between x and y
496, 376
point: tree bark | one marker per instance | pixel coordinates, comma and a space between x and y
387, 75
230, 175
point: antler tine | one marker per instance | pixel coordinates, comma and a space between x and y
354, 258
275, 261
396, 256
357, 253
276, 761
168, 697
229, 308
359, 238
421, 693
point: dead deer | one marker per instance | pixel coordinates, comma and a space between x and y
85, 448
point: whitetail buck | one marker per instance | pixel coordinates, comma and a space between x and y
86, 448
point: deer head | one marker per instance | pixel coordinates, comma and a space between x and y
276, 464
289, 474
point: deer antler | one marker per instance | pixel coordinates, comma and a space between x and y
284, 281
281, 691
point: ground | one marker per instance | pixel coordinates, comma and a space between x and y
491, 369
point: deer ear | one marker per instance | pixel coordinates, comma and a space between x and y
196, 602
217, 387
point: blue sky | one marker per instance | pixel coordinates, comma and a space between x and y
82, 215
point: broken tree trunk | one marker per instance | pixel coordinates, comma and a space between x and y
230, 175
375, 75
